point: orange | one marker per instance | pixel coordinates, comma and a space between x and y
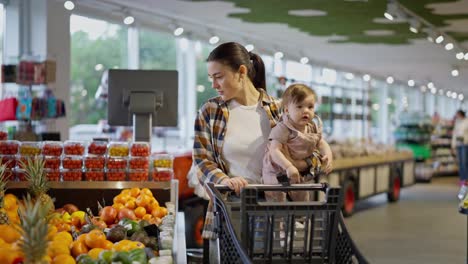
130, 204
125, 192
121, 198
63, 227
118, 206
78, 248
9, 234
146, 191
52, 232
10, 202
134, 192
57, 248
147, 217
153, 205
94, 253
107, 245
81, 238
63, 259
143, 200
140, 212
95, 238
159, 212
63, 237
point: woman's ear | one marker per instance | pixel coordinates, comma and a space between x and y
242, 71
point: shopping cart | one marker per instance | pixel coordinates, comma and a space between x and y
280, 232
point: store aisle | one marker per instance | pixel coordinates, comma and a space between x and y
423, 227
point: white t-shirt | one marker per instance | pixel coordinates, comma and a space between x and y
460, 133
247, 132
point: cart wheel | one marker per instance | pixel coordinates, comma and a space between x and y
349, 199
394, 191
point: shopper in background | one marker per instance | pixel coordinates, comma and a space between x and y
296, 135
232, 129
460, 144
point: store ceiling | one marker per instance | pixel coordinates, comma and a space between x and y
350, 35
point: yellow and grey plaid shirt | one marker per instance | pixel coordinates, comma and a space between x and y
210, 129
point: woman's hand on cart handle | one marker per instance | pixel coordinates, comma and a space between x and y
235, 183
327, 165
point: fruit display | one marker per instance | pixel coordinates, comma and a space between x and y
52, 174
162, 167
94, 162
8, 160
97, 148
9, 147
52, 148
138, 175
116, 163
94, 175
52, 162
140, 149
72, 175
162, 161
73, 148
162, 174
139, 163
30, 148
118, 149
72, 162
116, 175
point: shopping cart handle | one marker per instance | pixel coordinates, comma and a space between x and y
302, 186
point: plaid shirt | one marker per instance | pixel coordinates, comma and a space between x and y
210, 129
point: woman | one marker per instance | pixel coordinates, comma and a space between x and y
232, 129
460, 145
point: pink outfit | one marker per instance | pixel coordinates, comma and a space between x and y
300, 146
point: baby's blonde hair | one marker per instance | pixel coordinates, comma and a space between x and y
296, 93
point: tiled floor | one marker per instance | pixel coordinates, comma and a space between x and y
423, 227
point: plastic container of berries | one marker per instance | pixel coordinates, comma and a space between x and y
9, 160
138, 175
94, 162
10, 174
20, 174
116, 175
118, 149
3, 135
140, 149
162, 174
30, 148
98, 148
162, 160
9, 147
117, 163
94, 175
72, 175
72, 162
53, 174
24, 160
139, 163
52, 162
73, 148
52, 148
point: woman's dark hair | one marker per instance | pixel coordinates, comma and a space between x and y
234, 55
461, 113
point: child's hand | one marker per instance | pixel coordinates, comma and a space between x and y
293, 174
326, 165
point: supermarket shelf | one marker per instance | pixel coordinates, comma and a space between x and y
446, 173
96, 185
441, 146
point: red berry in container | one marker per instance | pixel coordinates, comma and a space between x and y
140, 149
97, 148
52, 162
116, 163
9, 147
94, 175
72, 162
116, 175
139, 163
3, 135
9, 160
51, 148
94, 162
21, 175
10, 175
138, 175
25, 160
162, 175
72, 175
73, 148
53, 175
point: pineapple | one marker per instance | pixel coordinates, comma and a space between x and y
33, 228
3, 181
37, 178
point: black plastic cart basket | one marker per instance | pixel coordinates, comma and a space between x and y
280, 232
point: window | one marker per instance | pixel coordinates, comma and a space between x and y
204, 90
96, 45
157, 51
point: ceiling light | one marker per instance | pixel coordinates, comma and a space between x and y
128, 20
460, 55
279, 55
376, 107
69, 5
366, 77
213, 40
455, 73
430, 85
449, 46
388, 16
249, 47
413, 29
178, 31
439, 39
423, 89
200, 88
460, 97
430, 39
98, 67
433, 90
390, 80
411, 83
454, 95
449, 93
349, 76
304, 60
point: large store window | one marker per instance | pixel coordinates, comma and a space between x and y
96, 45
157, 50
204, 90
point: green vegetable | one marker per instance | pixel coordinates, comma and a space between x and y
106, 256
130, 225
138, 255
85, 259
122, 257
